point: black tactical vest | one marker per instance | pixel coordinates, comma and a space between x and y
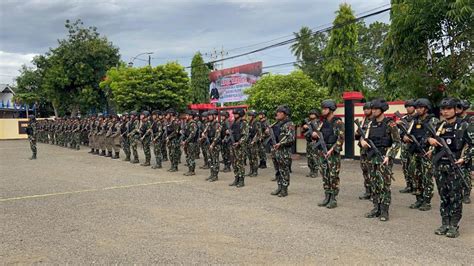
236, 128
379, 133
252, 130
327, 129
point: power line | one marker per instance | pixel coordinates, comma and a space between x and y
282, 43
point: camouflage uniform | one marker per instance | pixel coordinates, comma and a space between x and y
134, 137
173, 143
157, 142
204, 145
262, 153
125, 140
31, 130
405, 158
226, 146
468, 169
190, 145
312, 153
145, 138
240, 133
365, 163
212, 135
253, 144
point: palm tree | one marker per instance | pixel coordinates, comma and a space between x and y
303, 44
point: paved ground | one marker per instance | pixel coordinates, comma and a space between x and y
69, 206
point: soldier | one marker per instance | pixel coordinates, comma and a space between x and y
157, 141
253, 142
190, 142
212, 135
116, 136
461, 111
226, 146
382, 133
91, 128
238, 136
282, 137
31, 131
145, 136
125, 128
197, 118
77, 131
204, 146
134, 136
421, 167
364, 161
331, 130
309, 126
454, 133
404, 154
109, 139
262, 154
172, 139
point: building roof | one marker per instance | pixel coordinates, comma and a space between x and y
5, 88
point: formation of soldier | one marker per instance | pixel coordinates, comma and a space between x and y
430, 147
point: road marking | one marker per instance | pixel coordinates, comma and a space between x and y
90, 190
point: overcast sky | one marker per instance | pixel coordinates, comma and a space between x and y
171, 29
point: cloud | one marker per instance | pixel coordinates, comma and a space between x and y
10, 63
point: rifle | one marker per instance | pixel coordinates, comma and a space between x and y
309, 133
405, 131
446, 151
272, 137
206, 138
230, 136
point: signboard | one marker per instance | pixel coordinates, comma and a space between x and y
228, 85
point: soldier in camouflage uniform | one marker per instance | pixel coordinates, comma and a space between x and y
172, 139
145, 136
190, 142
312, 153
421, 167
164, 151
262, 153
226, 146
134, 135
461, 111
237, 136
331, 129
253, 143
124, 130
458, 137
404, 154
77, 131
157, 141
282, 140
197, 118
116, 136
383, 132
364, 161
109, 141
204, 146
212, 135
31, 131
91, 129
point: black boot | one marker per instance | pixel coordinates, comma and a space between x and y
241, 182
92, 151
226, 169
214, 178
453, 231
426, 205
236, 181
277, 191
384, 212
325, 200
102, 153
332, 201
466, 199
407, 189
117, 155
443, 229
284, 191
375, 212
366, 194
418, 203
33, 157
127, 158
263, 164
109, 154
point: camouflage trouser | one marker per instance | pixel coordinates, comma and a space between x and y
252, 153
32, 141
381, 180
421, 170
205, 152
126, 146
238, 156
109, 143
262, 154
312, 156
405, 158
175, 151
281, 161
116, 144
330, 168
134, 141
77, 139
102, 142
450, 192
157, 148
226, 152
146, 149
213, 160
365, 167
164, 152
468, 176
190, 155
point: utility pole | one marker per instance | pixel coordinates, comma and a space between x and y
216, 55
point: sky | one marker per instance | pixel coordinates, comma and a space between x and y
173, 30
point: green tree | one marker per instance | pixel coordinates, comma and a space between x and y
199, 79
428, 51
342, 67
297, 90
148, 88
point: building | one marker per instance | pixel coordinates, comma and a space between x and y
8, 107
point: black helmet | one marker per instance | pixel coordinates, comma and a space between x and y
380, 104
224, 113
331, 104
212, 112
423, 102
204, 114
146, 113
156, 112
464, 104
170, 111
134, 113
263, 112
284, 109
252, 113
125, 114
448, 103
189, 112
367, 105
410, 103
314, 112
239, 111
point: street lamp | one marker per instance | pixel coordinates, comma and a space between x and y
130, 64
